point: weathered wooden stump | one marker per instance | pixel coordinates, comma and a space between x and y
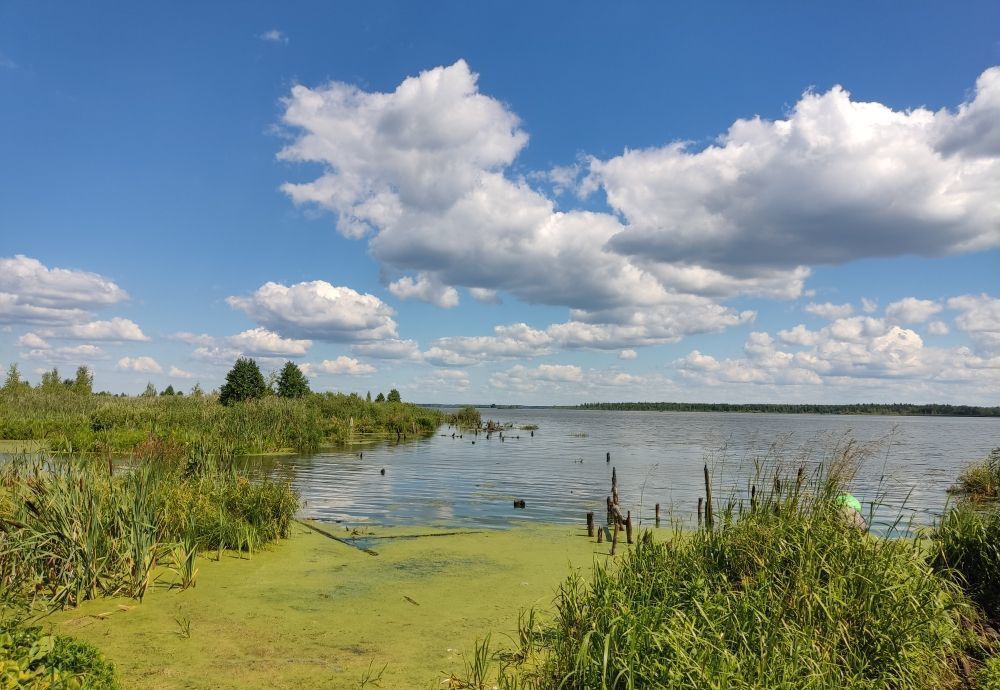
657, 514
590, 524
708, 499
628, 527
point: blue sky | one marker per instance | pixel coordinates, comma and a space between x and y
510, 203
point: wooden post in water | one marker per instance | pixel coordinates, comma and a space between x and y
708, 499
614, 485
700, 499
600, 535
590, 524
614, 538
657, 514
753, 498
628, 527
608, 457
611, 515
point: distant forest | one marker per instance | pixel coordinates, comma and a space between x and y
901, 409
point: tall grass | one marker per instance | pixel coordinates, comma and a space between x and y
782, 592
70, 532
967, 550
101, 423
466, 418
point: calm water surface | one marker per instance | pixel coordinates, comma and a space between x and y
561, 472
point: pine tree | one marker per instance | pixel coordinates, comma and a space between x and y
380, 397
243, 382
169, 390
292, 383
394, 396
150, 391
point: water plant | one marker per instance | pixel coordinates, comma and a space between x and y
70, 532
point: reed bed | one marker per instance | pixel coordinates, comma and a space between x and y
71, 422
70, 531
781, 590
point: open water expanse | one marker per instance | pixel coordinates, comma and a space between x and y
561, 472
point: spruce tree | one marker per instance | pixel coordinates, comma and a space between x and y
243, 382
394, 396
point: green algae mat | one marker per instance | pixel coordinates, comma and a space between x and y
313, 612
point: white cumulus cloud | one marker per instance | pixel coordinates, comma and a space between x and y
142, 365
116, 329
912, 310
829, 311
319, 311
426, 289
343, 365
31, 292
262, 342
33, 341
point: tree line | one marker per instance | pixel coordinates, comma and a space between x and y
901, 409
245, 381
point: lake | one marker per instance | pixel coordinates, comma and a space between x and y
561, 472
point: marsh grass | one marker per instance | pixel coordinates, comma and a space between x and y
69, 531
967, 550
981, 480
69, 422
782, 592
466, 418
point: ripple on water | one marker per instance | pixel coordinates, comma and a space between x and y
658, 456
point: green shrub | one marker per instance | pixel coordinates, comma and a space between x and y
30, 658
989, 676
